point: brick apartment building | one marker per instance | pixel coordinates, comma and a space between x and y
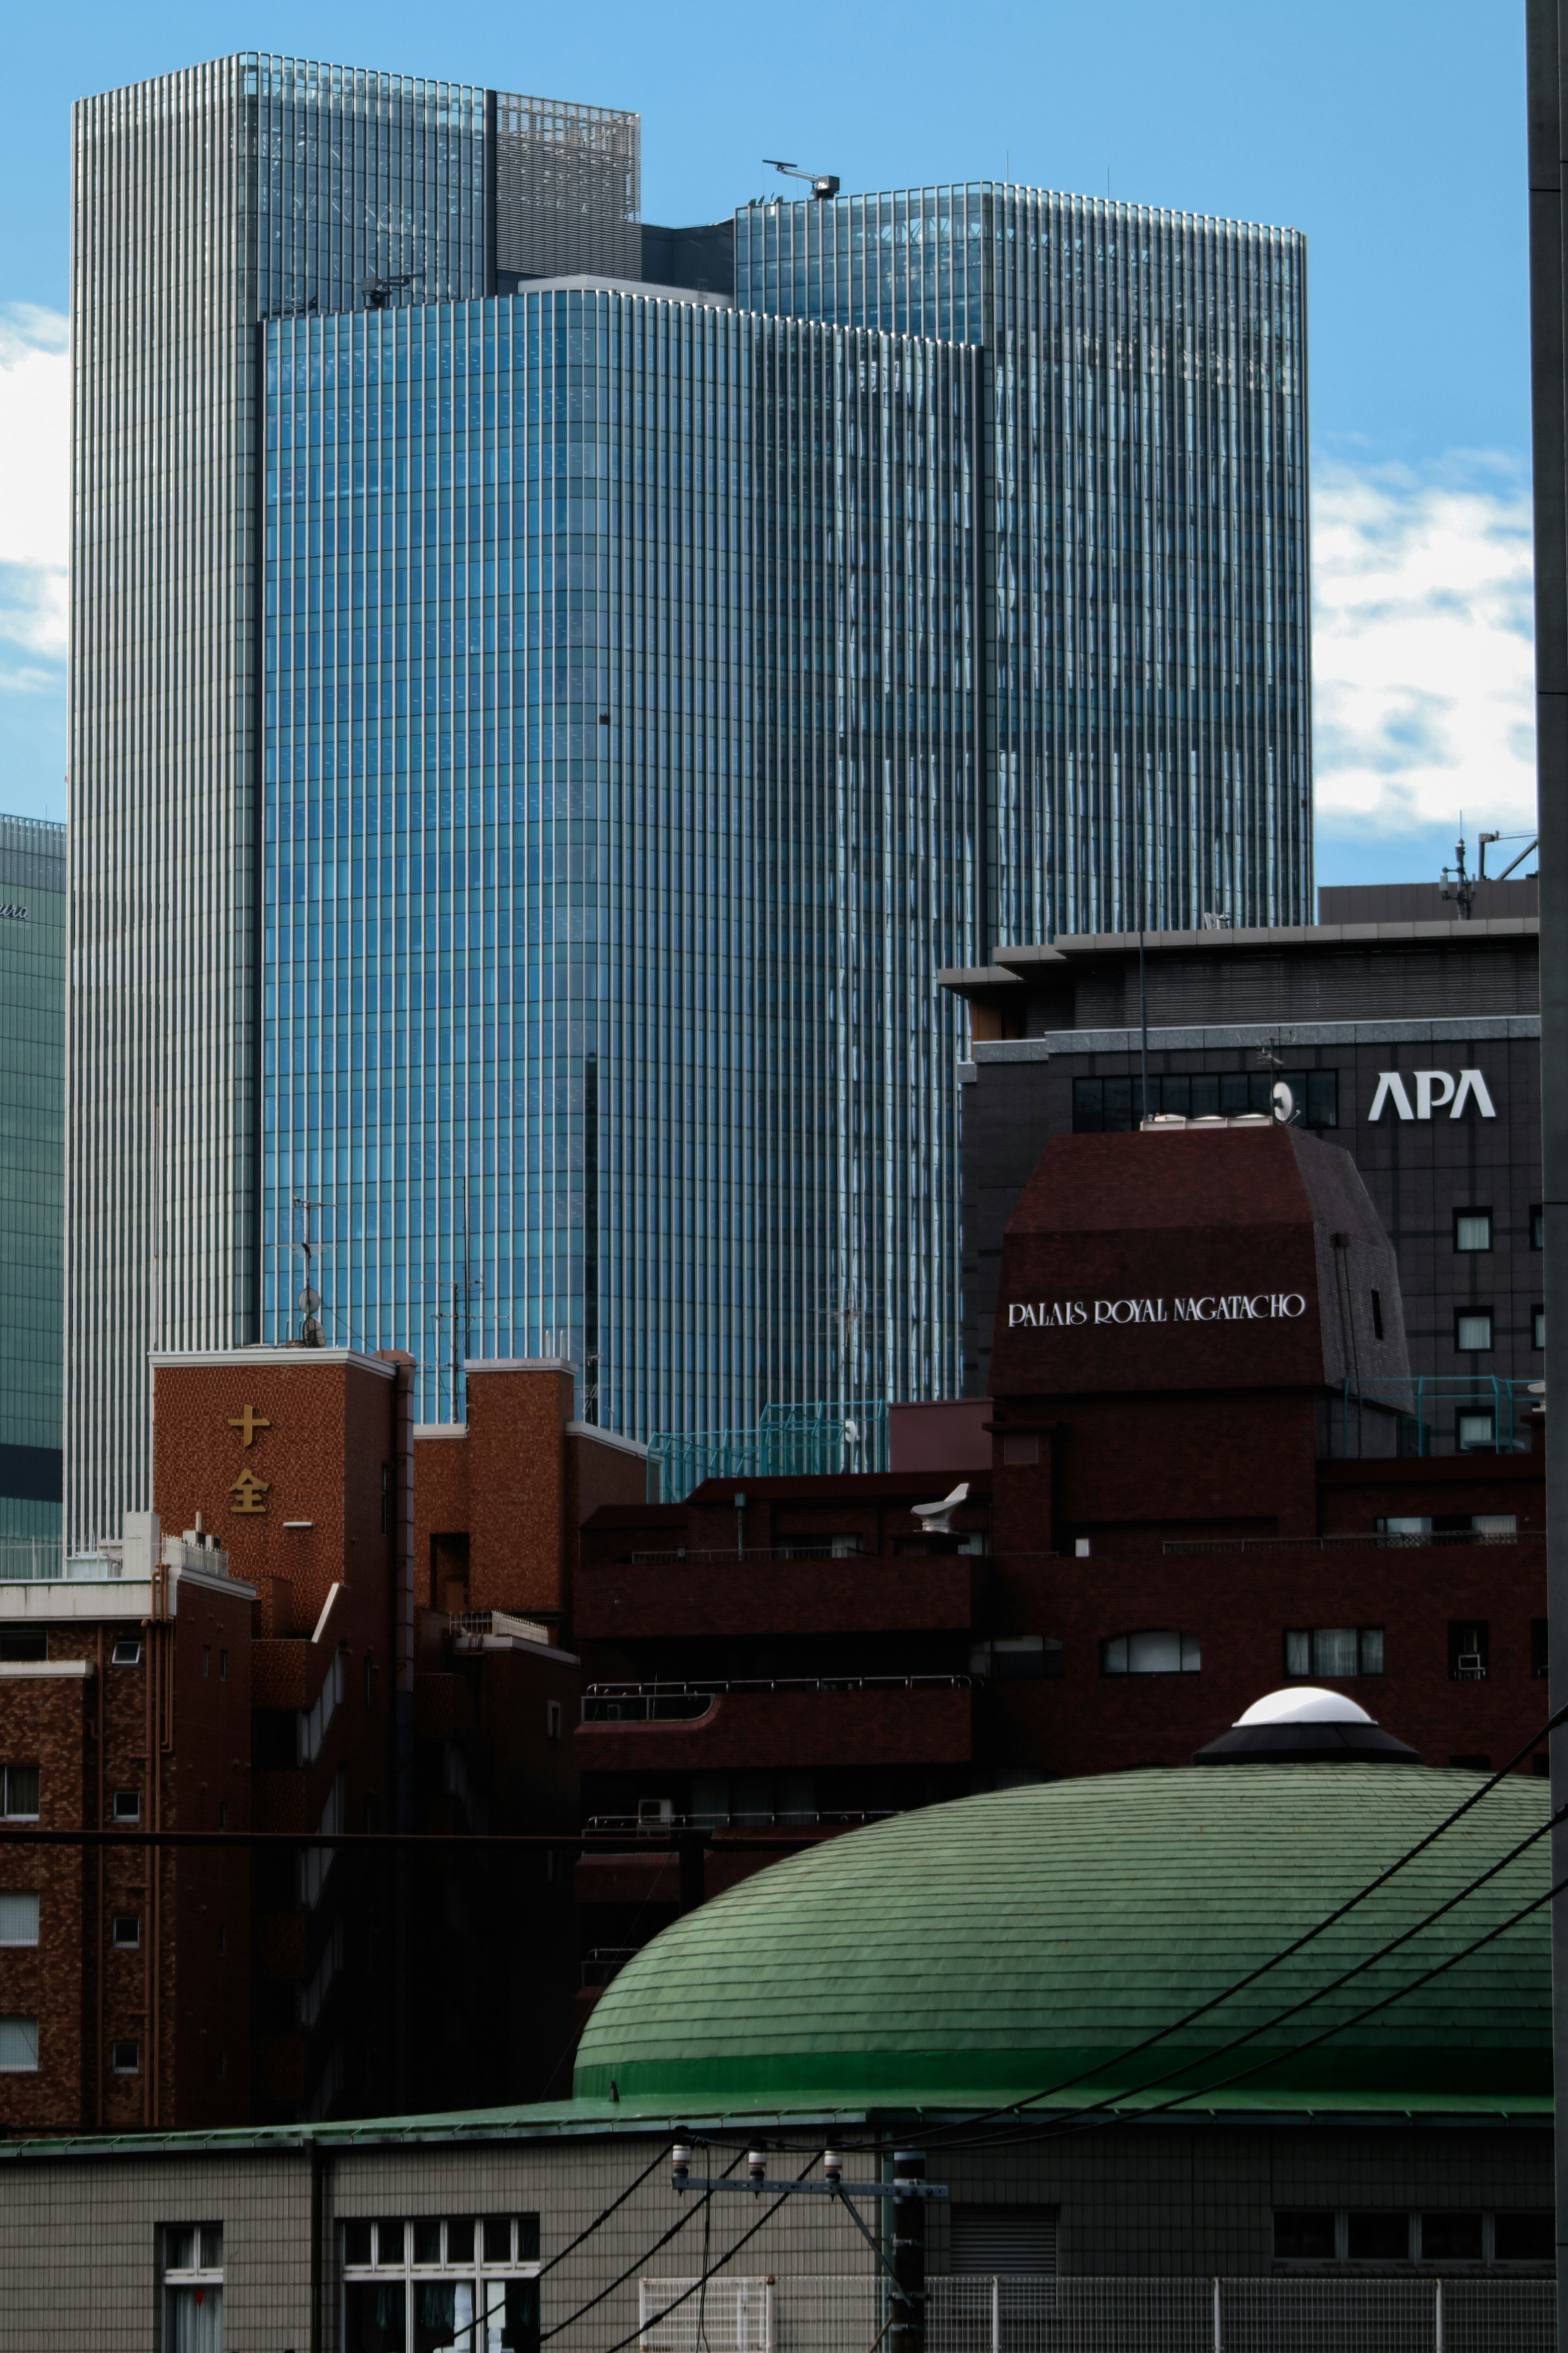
1163, 1515
362, 1629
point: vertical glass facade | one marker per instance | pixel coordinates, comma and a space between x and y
1144, 598
618, 751
533, 752
32, 1171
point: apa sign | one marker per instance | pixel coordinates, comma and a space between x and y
1434, 1090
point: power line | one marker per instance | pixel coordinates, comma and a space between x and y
687, 2293
605, 2213
664, 2241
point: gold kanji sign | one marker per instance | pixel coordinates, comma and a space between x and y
249, 1493
248, 1423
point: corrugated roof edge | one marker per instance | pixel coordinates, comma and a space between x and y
571, 2119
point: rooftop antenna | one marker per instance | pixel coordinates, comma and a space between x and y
1456, 884
823, 185
309, 1299
1530, 840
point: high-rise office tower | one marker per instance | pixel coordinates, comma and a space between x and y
536, 740
32, 1172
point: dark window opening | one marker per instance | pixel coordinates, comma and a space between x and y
1451, 2237
1303, 2234
1377, 1314
1525, 2238
20, 1648
1469, 1649
1379, 2239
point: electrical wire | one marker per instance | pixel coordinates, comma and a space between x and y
1318, 1993
673, 2230
687, 2293
1016, 2107
572, 2245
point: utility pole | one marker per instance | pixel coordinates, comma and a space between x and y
1546, 27
908, 2333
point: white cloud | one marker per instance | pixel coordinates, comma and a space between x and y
1423, 662
35, 494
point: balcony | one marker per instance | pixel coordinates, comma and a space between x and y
822, 1721
798, 1587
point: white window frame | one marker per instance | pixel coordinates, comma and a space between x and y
16, 1814
199, 2278
476, 2270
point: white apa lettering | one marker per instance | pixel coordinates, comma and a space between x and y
1390, 1090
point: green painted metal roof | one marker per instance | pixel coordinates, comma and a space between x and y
1006, 1944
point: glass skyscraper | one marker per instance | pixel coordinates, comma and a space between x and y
32, 1171
519, 817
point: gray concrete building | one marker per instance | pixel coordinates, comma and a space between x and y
1413, 1039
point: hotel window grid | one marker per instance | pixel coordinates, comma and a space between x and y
1323, 2234
1472, 1229
1114, 1107
1151, 1654
19, 1788
1337, 1651
1473, 1329
417, 2285
191, 2264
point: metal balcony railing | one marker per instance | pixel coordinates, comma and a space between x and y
1434, 1413
683, 1702
1394, 1540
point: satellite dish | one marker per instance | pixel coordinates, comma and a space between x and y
1284, 1102
309, 1300
851, 1432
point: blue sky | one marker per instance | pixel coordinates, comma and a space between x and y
1393, 135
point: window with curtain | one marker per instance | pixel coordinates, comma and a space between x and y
457, 2284
193, 2287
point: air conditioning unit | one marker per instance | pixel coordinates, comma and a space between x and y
655, 1813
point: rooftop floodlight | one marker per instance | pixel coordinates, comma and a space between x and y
822, 185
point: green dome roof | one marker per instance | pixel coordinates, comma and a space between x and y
1004, 1944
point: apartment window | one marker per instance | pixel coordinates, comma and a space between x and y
415, 2287
1475, 1433
127, 1805
1537, 1328
125, 1930
19, 1786
18, 2046
125, 2058
1537, 1226
1468, 1649
1320, 2235
20, 1648
553, 1719
1473, 1329
19, 1915
1540, 1646
127, 1652
1334, 1650
193, 2287
1472, 1229
1151, 1654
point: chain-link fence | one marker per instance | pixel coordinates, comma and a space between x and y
849, 2313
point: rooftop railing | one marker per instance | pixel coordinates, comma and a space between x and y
683, 1702
1434, 1414
1374, 1539
789, 1441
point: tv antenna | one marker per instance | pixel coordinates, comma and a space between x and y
309, 1299
823, 185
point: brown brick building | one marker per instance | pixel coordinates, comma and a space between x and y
365, 1629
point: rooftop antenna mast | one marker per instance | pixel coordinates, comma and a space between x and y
823, 185
309, 1299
